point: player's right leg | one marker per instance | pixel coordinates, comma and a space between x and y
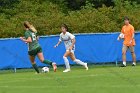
32, 59
66, 61
124, 49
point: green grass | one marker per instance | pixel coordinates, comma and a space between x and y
99, 79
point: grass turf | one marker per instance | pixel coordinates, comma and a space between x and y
98, 79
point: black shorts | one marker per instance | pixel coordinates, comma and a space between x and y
35, 51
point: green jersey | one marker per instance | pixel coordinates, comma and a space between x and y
34, 44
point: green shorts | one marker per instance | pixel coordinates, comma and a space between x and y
35, 51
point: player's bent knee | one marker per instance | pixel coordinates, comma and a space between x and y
132, 53
33, 62
42, 61
123, 53
64, 57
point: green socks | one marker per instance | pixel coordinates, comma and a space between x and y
35, 67
47, 62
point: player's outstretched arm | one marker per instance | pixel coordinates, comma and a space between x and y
59, 42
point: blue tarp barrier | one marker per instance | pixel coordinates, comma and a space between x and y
91, 48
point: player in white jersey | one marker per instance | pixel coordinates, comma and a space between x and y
69, 41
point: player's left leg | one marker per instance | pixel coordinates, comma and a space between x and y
32, 55
41, 58
67, 53
124, 50
72, 56
32, 59
133, 55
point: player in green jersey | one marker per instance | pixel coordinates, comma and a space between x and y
34, 47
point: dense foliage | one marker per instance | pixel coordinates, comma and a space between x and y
82, 16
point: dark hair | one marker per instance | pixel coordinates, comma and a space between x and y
126, 18
26, 24
65, 26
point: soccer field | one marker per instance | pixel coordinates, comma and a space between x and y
98, 79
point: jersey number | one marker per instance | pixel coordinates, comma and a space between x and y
33, 36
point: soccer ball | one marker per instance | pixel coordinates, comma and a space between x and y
45, 69
121, 35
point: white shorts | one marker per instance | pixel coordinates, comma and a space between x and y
72, 51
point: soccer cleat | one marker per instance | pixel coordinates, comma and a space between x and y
37, 73
54, 67
133, 65
86, 66
66, 70
123, 65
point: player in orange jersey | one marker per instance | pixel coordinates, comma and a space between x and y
129, 41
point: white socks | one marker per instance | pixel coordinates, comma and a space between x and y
66, 62
124, 63
134, 63
79, 62
76, 61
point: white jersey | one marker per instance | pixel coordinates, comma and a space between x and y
67, 38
